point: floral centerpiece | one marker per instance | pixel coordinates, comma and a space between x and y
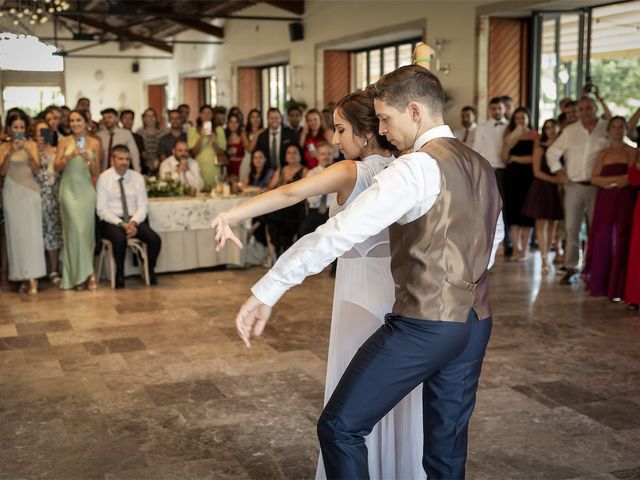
167, 187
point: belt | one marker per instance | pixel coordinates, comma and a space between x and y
587, 183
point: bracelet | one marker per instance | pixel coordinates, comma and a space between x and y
420, 60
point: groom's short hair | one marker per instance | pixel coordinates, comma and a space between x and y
410, 83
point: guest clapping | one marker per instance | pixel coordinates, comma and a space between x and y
181, 167
122, 208
605, 268
77, 161
517, 153
22, 204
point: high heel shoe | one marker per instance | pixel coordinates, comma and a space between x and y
92, 286
33, 287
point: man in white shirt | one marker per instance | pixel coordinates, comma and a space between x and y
319, 204
111, 134
432, 337
181, 167
579, 144
467, 133
122, 206
488, 143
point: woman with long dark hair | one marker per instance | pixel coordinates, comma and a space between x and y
235, 148
517, 153
22, 204
364, 287
543, 199
77, 160
312, 134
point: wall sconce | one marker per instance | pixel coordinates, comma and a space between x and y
297, 84
441, 67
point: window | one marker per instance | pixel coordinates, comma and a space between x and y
32, 100
600, 44
276, 86
372, 63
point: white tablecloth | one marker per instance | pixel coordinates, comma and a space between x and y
183, 224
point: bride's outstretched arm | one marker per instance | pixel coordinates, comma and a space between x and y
338, 178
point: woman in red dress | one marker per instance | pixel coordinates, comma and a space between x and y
632, 289
235, 148
605, 268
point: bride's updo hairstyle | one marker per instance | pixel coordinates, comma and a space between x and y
357, 109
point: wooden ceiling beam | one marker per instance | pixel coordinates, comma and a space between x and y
293, 6
122, 32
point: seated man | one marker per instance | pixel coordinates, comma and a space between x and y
319, 204
122, 209
181, 167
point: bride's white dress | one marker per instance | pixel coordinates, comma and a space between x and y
364, 293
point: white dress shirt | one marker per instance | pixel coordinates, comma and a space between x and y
121, 136
488, 141
109, 202
191, 177
580, 149
314, 202
403, 192
461, 132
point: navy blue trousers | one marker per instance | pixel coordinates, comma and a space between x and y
445, 356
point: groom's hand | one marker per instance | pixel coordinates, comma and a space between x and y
251, 319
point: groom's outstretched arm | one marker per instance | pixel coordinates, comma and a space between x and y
412, 182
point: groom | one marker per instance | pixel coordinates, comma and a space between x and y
442, 206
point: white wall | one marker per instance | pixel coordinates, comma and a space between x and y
258, 42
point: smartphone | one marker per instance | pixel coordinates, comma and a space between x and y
18, 136
208, 127
82, 144
47, 135
589, 85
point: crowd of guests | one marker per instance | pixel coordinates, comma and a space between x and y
68, 182
581, 168
77, 181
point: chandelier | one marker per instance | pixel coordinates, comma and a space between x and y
32, 11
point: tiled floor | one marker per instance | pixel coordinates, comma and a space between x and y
152, 383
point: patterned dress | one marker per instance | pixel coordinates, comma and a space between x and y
49, 182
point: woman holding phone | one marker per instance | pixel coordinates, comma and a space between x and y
22, 205
49, 182
77, 161
201, 140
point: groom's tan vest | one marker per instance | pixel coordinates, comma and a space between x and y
439, 261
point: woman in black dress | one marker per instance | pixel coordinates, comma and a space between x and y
543, 200
517, 153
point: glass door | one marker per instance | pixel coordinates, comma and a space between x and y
560, 63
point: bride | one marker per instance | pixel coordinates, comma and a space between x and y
364, 288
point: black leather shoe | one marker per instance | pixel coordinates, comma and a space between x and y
569, 277
153, 279
119, 282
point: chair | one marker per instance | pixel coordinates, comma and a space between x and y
138, 248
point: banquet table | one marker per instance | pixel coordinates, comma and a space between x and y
183, 224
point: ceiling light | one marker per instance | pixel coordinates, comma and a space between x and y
44, 19
16, 22
12, 10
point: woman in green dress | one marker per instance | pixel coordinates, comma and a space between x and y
206, 144
22, 205
76, 161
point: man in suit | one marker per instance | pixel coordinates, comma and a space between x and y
275, 139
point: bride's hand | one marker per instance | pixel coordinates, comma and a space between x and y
251, 319
423, 51
223, 232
